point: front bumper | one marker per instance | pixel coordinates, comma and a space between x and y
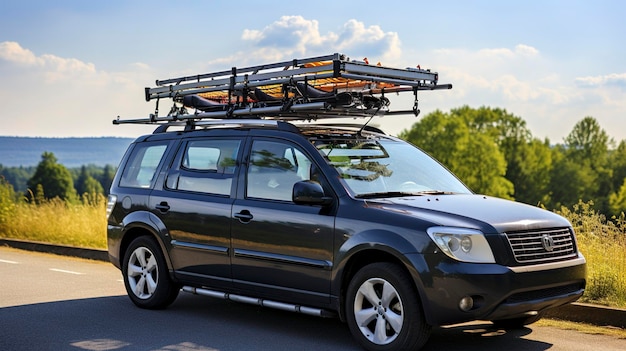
498, 292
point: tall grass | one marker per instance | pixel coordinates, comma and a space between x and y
603, 243
81, 224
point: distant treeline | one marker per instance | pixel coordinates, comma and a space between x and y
81, 177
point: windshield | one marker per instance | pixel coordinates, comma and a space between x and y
386, 167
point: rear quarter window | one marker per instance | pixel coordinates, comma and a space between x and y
142, 165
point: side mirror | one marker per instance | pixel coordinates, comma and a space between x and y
308, 192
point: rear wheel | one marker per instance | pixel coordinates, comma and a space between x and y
383, 309
146, 276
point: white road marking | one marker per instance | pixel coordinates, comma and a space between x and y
64, 271
11, 262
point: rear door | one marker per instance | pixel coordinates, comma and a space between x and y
195, 205
280, 248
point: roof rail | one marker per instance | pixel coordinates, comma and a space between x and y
301, 89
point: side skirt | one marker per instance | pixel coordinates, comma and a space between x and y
261, 302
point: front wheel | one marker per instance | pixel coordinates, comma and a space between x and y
383, 309
146, 276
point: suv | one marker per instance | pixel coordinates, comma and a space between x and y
329, 220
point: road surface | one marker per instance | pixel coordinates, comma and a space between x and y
52, 302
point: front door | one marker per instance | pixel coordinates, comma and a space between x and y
280, 248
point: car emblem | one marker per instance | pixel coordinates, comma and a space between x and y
547, 242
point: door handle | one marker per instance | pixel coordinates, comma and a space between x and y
244, 216
163, 207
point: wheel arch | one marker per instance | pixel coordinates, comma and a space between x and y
143, 223
377, 246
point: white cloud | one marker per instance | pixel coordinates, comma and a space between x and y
525, 50
520, 52
60, 96
296, 36
13, 52
613, 79
55, 68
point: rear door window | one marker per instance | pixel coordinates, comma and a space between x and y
205, 166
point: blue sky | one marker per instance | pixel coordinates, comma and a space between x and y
68, 68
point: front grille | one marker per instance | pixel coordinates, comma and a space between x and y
542, 245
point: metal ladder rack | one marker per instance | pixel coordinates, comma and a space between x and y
328, 86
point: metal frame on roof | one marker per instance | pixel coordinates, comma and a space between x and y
328, 86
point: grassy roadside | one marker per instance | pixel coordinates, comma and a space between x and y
582, 327
58, 222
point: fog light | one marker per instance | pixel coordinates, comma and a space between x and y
466, 303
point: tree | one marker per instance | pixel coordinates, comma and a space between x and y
53, 178
617, 162
588, 143
569, 182
17, 176
465, 141
106, 179
7, 201
617, 201
529, 167
587, 146
79, 185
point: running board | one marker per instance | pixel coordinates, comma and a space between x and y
261, 302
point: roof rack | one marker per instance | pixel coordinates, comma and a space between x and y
328, 86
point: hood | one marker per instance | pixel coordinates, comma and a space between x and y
485, 213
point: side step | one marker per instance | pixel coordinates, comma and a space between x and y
261, 302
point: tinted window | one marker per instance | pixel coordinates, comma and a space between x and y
205, 166
142, 165
274, 168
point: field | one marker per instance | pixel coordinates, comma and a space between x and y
603, 242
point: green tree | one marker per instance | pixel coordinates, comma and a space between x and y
569, 182
529, 168
53, 178
588, 143
17, 176
617, 201
79, 184
617, 162
587, 146
7, 201
465, 141
106, 179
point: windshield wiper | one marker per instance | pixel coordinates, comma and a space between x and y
383, 194
434, 192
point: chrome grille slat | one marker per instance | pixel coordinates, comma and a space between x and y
528, 247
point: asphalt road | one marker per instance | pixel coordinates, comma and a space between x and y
52, 302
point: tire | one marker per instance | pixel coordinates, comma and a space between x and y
516, 323
146, 275
383, 309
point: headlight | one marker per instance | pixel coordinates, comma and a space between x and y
462, 244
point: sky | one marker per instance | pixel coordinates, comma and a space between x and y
68, 68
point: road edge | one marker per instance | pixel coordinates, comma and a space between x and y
91, 254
